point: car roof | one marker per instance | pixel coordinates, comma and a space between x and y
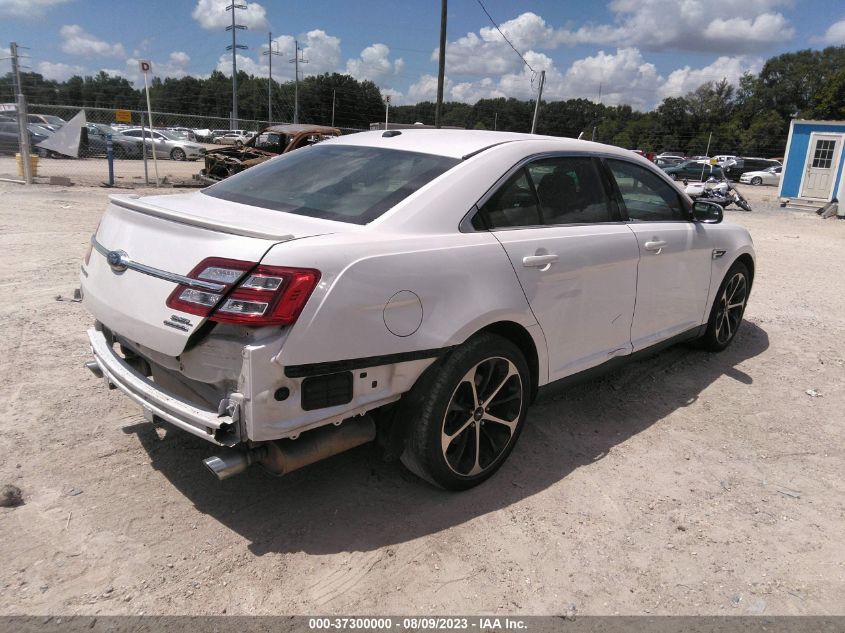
464, 143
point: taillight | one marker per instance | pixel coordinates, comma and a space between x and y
246, 294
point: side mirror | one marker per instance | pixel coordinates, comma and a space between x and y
707, 212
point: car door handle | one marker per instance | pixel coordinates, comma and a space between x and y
539, 261
656, 246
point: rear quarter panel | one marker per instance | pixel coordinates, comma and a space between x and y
464, 282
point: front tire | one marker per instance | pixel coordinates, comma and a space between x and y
177, 154
756, 181
728, 309
468, 414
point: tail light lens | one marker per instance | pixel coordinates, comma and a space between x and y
249, 294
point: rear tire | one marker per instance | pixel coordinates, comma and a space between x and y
468, 414
728, 309
177, 154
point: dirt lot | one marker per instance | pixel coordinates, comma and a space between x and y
689, 483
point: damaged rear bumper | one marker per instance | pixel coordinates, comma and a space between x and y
213, 426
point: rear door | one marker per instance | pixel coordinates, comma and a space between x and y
673, 277
575, 258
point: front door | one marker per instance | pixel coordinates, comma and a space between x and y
575, 259
673, 277
821, 164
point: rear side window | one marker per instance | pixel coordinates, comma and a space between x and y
334, 182
647, 197
550, 191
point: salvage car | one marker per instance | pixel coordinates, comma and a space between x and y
418, 286
270, 142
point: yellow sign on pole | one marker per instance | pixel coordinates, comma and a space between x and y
123, 116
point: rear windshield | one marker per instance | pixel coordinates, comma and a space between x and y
334, 182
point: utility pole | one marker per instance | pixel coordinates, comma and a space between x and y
386, 109
234, 47
296, 61
441, 69
270, 52
495, 121
537, 105
333, 91
23, 130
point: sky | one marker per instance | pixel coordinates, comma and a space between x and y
622, 51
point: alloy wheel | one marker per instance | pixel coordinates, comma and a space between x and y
482, 416
731, 308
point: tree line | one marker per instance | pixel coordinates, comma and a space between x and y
750, 119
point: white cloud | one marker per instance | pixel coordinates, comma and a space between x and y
374, 64
212, 15
835, 34
487, 53
245, 64
175, 67
623, 77
59, 71
694, 25
686, 79
425, 89
620, 77
27, 9
320, 50
76, 41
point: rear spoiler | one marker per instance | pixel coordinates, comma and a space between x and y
133, 203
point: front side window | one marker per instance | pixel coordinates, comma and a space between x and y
647, 197
334, 182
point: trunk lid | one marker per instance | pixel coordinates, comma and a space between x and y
171, 235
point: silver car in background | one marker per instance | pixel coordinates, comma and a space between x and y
168, 144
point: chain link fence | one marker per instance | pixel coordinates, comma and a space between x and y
133, 164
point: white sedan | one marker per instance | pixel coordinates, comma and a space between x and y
232, 138
420, 285
770, 176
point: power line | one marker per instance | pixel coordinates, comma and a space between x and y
483, 8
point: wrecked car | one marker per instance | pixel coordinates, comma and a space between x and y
270, 142
411, 286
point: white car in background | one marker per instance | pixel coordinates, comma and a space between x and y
233, 138
770, 176
167, 144
416, 284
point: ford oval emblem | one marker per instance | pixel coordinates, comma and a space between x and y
117, 260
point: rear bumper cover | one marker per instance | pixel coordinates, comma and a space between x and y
157, 403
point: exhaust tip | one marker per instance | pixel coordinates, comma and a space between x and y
227, 466
94, 368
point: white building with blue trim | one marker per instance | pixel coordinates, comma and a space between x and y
814, 163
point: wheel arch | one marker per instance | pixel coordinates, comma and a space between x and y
748, 261
519, 336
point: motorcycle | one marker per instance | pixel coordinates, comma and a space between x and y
722, 192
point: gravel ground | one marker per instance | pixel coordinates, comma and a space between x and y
688, 483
